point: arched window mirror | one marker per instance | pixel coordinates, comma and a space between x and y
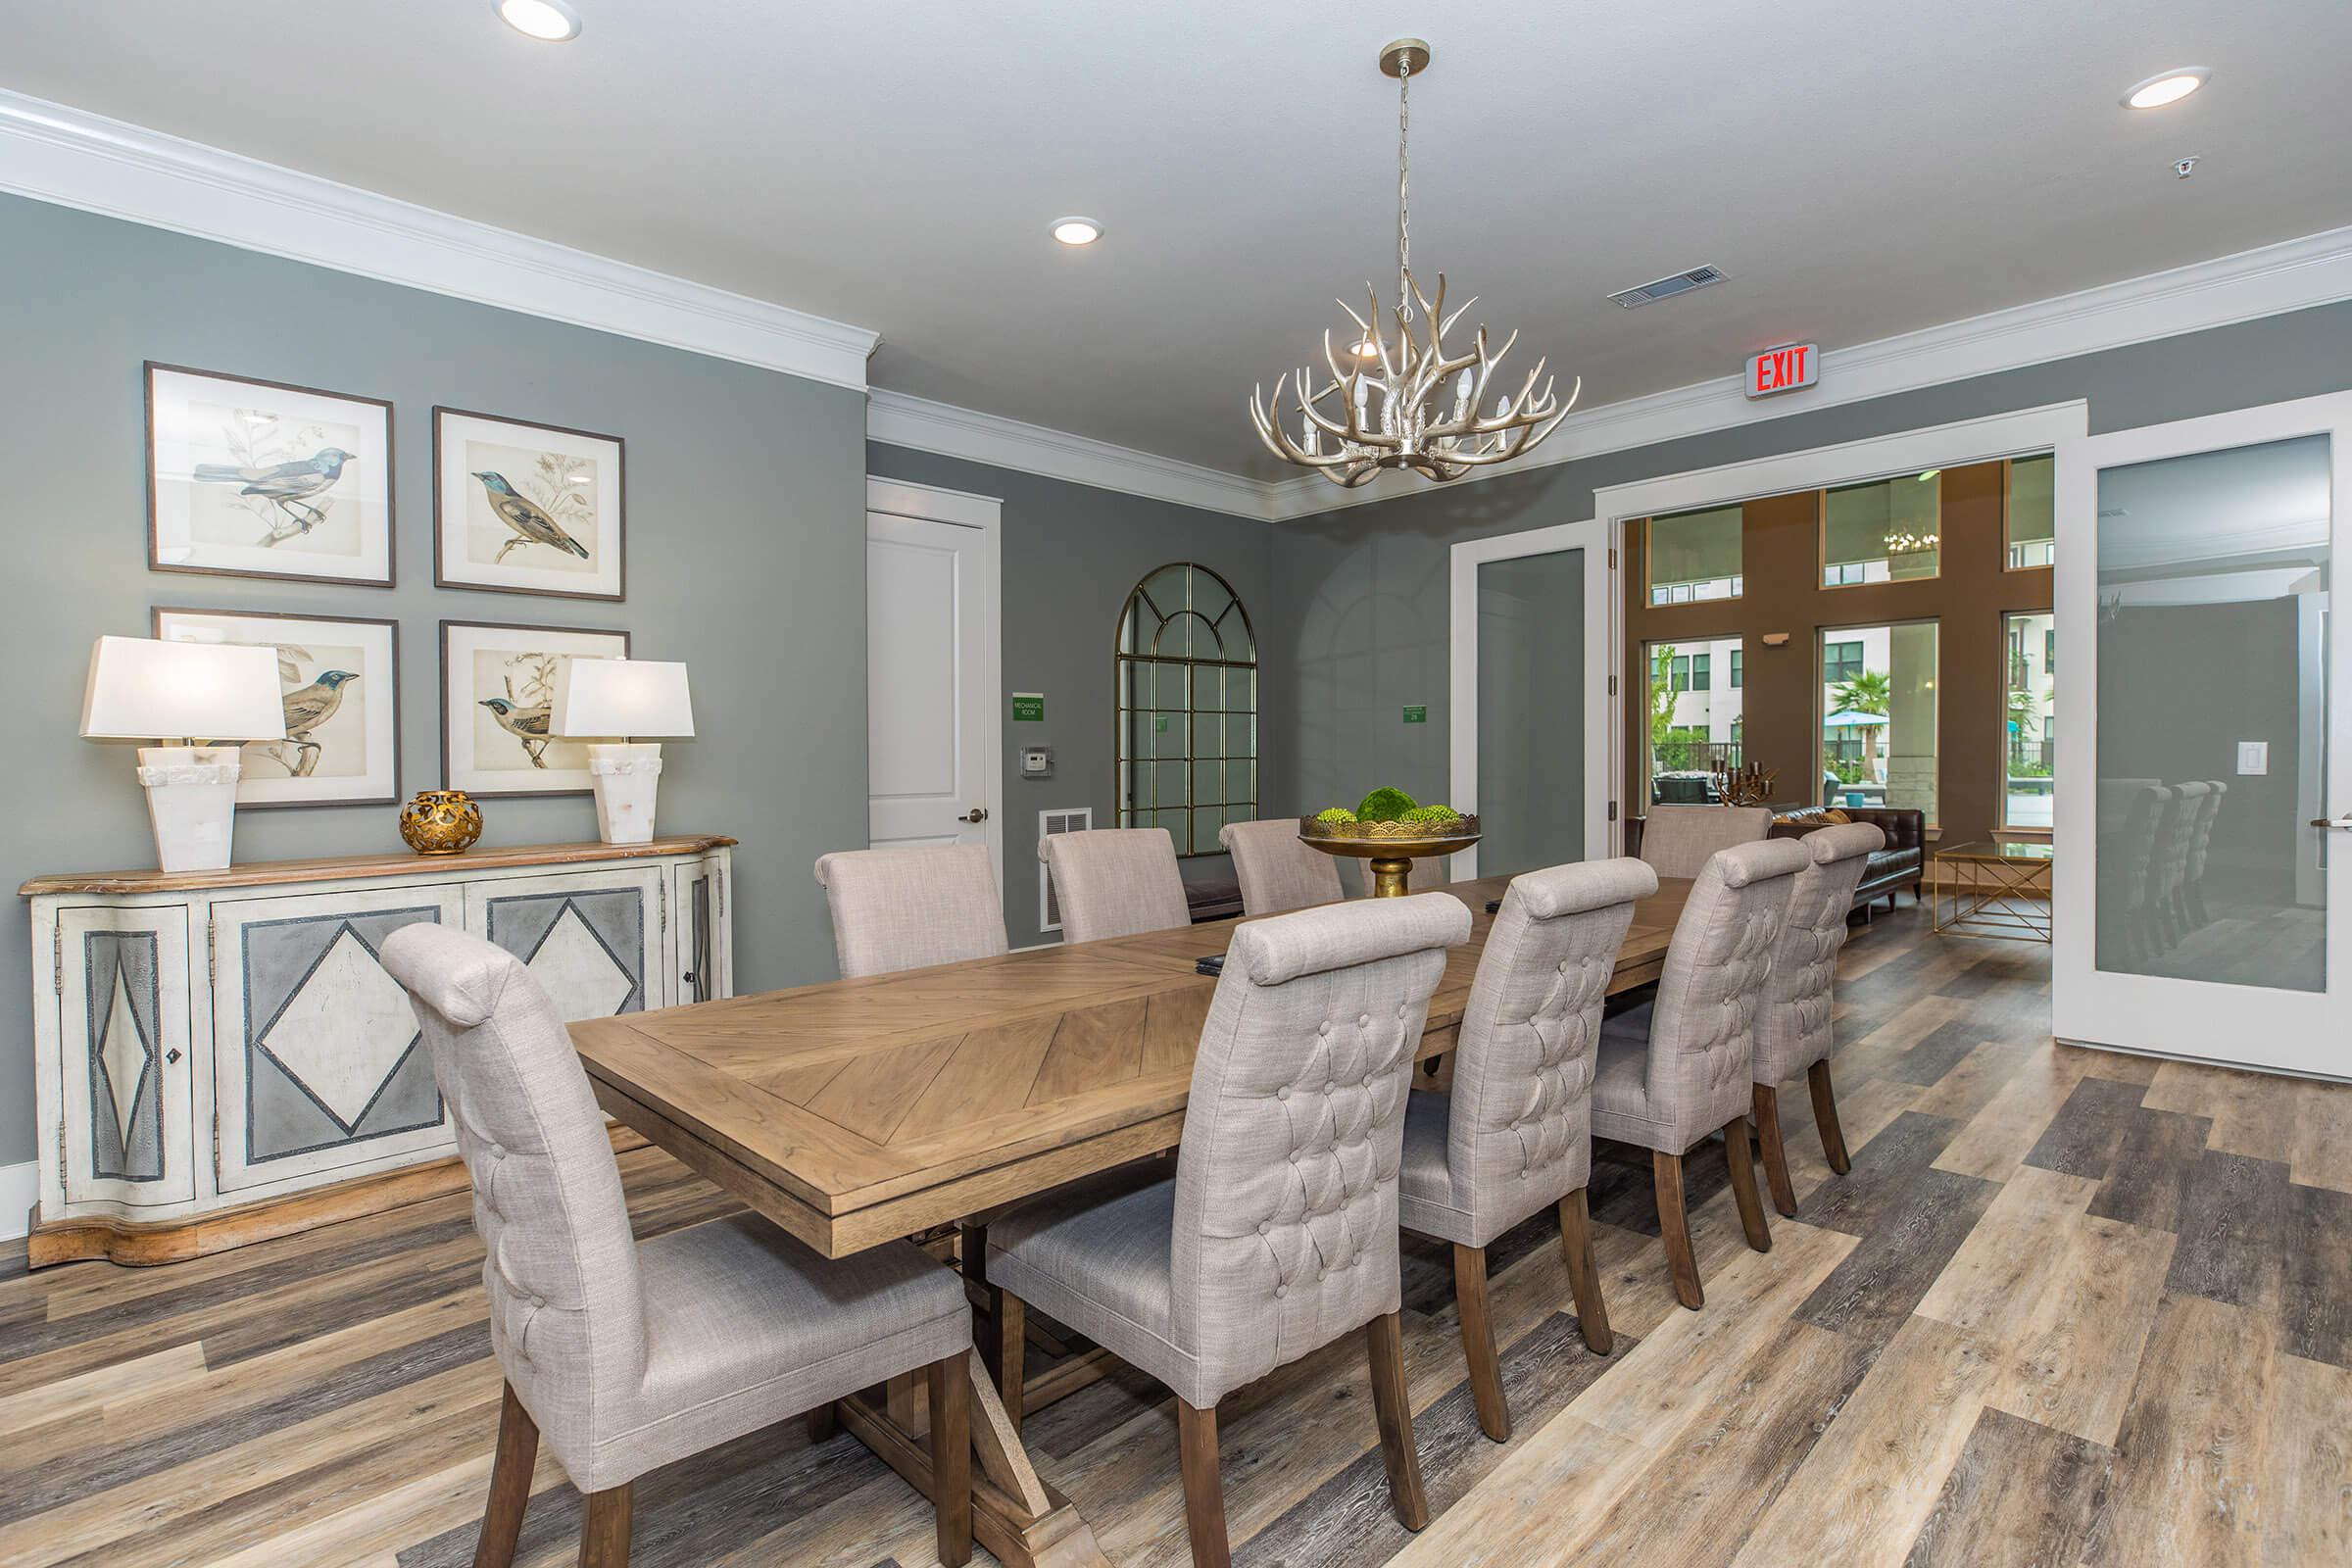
1187, 685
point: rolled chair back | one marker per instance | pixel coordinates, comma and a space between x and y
1678, 840
1519, 1132
1115, 882
1793, 1029
567, 1316
1286, 1178
1702, 1026
2127, 861
1277, 872
907, 908
2200, 840
2176, 827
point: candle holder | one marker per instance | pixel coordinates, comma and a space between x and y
1749, 785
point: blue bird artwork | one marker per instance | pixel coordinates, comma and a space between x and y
290, 487
531, 521
527, 725
307, 708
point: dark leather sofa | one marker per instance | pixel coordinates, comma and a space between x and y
1901, 862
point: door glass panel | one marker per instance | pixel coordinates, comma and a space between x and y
1696, 689
1531, 712
2212, 715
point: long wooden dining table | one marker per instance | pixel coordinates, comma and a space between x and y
862, 1111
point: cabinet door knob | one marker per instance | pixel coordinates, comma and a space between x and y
172, 1056
690, 977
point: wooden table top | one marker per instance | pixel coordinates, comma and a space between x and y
856, 1112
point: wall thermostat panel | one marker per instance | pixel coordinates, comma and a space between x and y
1037, 762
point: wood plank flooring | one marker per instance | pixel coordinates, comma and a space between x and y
2069, 1308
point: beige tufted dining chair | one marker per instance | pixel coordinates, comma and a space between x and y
1677, 1069
1678, 840
1793, 1027
1278, 1232
628, 1356
1277, 872
1115, 882
1514, 1135
909, 908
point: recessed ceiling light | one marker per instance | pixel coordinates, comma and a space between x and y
1077, 230
548, 20
1366, 349
2165, 87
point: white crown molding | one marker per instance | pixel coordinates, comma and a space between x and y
2290, 276
897, 420
74, 159
63, 155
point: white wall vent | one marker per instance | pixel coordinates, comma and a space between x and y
1068, 819
1667, 287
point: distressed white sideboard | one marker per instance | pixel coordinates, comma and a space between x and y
218, 1058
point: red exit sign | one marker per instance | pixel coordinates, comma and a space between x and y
1783, 370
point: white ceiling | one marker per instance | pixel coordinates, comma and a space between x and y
1858, 170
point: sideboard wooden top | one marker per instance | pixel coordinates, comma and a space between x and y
335, 867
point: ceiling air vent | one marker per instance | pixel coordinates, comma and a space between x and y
1665, 288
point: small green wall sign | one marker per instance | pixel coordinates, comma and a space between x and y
1417, 714
1028, 708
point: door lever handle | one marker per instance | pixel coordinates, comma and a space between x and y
2342, 824
979, 814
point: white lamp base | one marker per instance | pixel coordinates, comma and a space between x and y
627, 776
192, 801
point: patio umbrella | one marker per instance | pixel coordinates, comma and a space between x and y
1847, 718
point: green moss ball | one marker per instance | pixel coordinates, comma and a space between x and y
1386, 804
1337, 813
1431, 813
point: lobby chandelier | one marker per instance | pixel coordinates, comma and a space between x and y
1395, 400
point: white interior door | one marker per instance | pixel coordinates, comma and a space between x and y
932, 739
1531, 728
2204, 841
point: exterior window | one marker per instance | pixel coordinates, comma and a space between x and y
1695, 555
2029, 713
1879, 716
1692, 727
1187, 692
1889, 530
1739, 676
2031, 514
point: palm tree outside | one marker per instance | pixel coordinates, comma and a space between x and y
1870, 692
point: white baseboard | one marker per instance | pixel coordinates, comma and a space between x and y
20, 1185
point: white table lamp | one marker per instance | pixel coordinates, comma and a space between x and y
144, 690
623, 696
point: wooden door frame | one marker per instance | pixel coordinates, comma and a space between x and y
984, 515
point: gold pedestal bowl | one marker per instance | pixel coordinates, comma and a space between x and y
1390, 847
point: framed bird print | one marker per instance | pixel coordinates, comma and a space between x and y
527, 508
260, 479
498, 686
340, 680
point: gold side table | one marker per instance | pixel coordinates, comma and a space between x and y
1987, 889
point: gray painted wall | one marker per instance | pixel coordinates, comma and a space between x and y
1071, 556
1359, 618
746, 559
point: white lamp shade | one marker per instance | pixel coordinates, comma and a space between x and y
622, 697
140, 689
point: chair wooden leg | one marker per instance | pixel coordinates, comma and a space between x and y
1478, 1342
604, 1536
1776, 1153
509, 1483
823, 1422
1393, 1404
952, 1458
1584, 1280
1203, 1489
1004, 1349
1824, 1117
1743, 1185
1666, 1175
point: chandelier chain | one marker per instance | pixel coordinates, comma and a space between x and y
1404, 175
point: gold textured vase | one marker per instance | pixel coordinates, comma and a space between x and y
441, 822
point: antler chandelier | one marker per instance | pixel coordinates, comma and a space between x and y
1405, 403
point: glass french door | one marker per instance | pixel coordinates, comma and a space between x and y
1529, 710
2204, 794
